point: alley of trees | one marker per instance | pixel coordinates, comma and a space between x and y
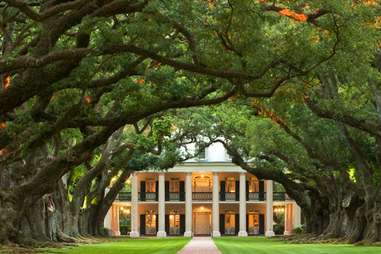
93, 90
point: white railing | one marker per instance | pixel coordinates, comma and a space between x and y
150, 196
230, 196
174, 196
201, 196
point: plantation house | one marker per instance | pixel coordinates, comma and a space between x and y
204, 196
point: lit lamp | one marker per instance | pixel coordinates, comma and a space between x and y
125, 211
279, 209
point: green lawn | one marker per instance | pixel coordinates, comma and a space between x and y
256, 245
129, 246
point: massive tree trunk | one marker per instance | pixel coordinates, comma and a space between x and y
41, 219
316, 214
106, 201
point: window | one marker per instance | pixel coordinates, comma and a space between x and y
150, 222
202, 183
230, 223
174, 185
253, 223
174, 223
230, 184
150, 185
253, 184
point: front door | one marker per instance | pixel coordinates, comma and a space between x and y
202, 223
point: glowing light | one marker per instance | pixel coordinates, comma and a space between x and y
202, 208
124, 210
279, 209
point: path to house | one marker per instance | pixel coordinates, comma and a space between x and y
200, 245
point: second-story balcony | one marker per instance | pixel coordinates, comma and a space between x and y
124, 196
256, 196
147, 196
202, 196
228, 196
175, 196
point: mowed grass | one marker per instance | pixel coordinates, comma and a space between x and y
128, 246
260, 245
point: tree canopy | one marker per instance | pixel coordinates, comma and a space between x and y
94, 90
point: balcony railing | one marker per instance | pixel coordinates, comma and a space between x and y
124, 196
230, 196
147, 196
202, 196
257, 196
174, 196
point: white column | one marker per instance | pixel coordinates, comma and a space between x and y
297, 216
269, 209
287, 219
134, 206
216, 207
242, 205
117, 233
161, 213
188, 205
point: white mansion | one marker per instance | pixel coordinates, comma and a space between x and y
204, 196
